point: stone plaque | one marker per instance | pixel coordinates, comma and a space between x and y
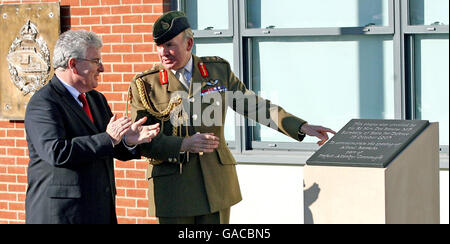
368, 143
29, 33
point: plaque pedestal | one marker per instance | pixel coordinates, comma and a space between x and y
406, 191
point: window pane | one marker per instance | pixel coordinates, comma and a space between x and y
432, 81
326, 81
428, 12
317, 13
204, 14
222, 47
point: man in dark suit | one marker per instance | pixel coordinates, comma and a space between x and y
73, 137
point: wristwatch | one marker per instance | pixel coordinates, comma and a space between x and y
300, 134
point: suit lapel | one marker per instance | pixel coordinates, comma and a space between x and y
70, 102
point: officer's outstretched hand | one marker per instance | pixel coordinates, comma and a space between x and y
200, 143
317, 131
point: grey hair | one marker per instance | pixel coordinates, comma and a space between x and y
188, 33
73, 44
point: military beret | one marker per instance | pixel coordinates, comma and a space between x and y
169, 26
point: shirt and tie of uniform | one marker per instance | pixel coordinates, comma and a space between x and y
184, 75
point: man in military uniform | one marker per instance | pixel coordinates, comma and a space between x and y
192, 171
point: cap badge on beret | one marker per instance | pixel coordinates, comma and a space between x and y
169, 25
165, 25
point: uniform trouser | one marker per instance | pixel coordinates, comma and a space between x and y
221, 217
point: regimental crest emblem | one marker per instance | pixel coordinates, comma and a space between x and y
165, 25
29, 60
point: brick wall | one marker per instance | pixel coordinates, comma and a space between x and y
125, 27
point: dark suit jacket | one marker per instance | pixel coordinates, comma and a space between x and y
71, 171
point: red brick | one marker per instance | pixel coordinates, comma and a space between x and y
17, 188
146, 221
104, 87
21, 143
125, 202
113, 96
7, 161
22, 161
17, 206
121, 29
136, 38
121, 87
90, 2
107, 68
142, 8
79, 11
122, 68
124, 183
150, 19
6, 124
106, 48
102, 29
116, 38
8, 196
131, 1
143, 183
142, 203
16, 152
141, 48
17, 170
133, 58
131, 19
3, 205
70, 2
100, 10
120, 107
111, 2
129, 77
151, 57
136, 212
121, 10
153, 1
111, 20
134, 174
90, 20
8, 215
15, 133
142, 28
121, 220
112, 58
19, 124
136, 193
112, 77
122, 48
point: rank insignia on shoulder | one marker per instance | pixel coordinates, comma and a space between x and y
203, 69
163, 77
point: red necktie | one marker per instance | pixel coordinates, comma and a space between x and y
86, 106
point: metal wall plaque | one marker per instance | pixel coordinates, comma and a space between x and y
29, 33
368, 143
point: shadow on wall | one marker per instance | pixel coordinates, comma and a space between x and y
310, 195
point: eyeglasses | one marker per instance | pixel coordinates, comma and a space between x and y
97, 61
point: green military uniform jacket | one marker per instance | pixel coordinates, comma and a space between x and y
205, 183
